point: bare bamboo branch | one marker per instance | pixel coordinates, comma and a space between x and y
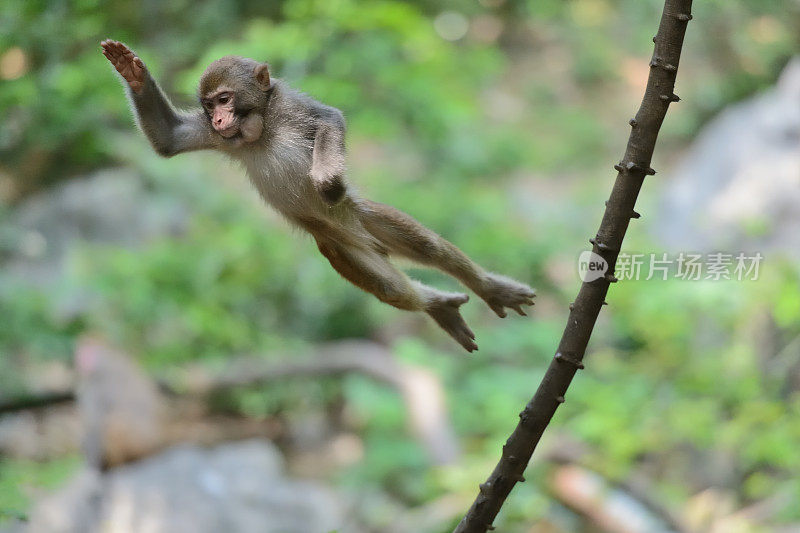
632, 170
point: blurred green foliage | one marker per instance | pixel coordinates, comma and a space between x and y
18, 476
499, 141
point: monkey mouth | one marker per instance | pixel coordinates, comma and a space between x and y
229, 132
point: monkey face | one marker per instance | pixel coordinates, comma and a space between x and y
227, 121
233, 92
221, 111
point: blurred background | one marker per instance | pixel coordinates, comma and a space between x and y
159, 323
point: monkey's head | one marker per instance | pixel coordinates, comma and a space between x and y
234, 92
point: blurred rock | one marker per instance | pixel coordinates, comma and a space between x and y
237, 487
110, 206
738, 188
125, 417
39, 436
121, 415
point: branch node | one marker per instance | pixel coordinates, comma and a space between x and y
659, 63
521, 479
633, 123
634, 214
572, 306
561, 358
619, 168
560, 399
630, 166
603, 247
670, 97
610, 278
605, 302
485, 487
684, 17
490, 527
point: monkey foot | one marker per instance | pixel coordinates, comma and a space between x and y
500, 292
126, 62
444, 310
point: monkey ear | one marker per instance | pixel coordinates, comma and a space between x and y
261, 73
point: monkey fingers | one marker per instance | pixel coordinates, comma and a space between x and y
126, 62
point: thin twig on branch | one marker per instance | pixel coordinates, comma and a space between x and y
632, 170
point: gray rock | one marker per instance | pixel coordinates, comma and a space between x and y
109, 207
738, 189
233, 488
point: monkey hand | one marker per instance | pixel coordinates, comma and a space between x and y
126, 62
332, 189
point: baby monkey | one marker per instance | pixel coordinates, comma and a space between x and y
293, 149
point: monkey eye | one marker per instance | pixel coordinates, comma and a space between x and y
224, 99
208, 105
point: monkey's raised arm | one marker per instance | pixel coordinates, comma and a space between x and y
168, 130
328, 162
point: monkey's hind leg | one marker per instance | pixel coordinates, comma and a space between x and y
406, 237
371, 271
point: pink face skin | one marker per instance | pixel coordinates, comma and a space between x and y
220, 106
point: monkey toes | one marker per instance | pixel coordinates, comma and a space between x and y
126, 62
445, 312
501, 292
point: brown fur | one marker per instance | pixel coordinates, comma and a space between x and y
295, 157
